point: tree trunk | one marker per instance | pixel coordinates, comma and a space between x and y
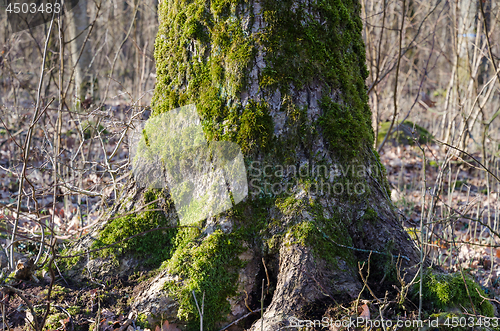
78, 24
285, 81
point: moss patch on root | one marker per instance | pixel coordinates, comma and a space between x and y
67, 263
448, 291
154, 247
210, 269
55, 321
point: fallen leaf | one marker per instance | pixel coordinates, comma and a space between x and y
168, 327
365, 311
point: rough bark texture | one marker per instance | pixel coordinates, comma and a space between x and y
284, 80
78, 22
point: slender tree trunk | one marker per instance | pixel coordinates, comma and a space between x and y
78, 22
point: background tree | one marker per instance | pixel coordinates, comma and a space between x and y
81, 56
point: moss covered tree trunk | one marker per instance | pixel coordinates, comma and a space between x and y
285, 80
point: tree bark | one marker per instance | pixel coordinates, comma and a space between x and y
285, 81
78, 24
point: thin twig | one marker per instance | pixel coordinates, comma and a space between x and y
239, 319
267, 275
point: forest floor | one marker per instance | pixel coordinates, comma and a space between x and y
465, 216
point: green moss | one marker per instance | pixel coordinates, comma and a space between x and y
381, 174
205, 52
323, 234
345, 128
154, 247
210, 264
74, 310
142, 321
289, 205
309, 234
58, 292
445, 291
206, 264
67, 263
322, 42
210, 267
256, 127
202, 53
53, 321
370, 215
301, 132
